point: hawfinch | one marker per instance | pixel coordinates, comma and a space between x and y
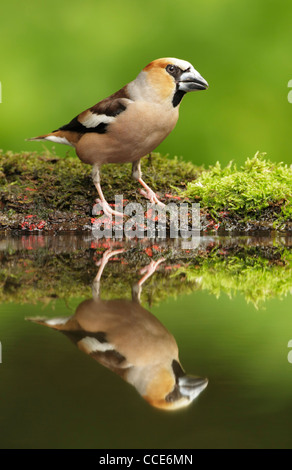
127, 339
132, 122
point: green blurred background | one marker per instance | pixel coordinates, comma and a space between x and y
58, 58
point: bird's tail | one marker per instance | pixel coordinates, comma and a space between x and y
59, 137
55, 323
40, 137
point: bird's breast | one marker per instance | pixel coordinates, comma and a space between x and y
135, 132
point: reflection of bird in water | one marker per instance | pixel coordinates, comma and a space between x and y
129, 340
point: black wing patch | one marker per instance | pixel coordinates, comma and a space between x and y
78, 335
76, 126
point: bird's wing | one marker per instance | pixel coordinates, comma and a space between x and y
95, 119
97, 346
98, 117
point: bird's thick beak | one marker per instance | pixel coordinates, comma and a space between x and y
192, 81
191, 387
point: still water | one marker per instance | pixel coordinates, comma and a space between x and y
145, 345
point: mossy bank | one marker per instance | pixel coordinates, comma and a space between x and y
39, 268
50, 194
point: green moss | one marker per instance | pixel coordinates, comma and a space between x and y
247, 272
65, 183
247, 191
219, 266
59, 193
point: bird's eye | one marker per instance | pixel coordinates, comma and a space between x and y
170, 68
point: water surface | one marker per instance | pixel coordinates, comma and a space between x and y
55, 395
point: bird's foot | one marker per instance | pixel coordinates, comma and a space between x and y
107, 210
149, 194
102, 264
149, 270
107, 255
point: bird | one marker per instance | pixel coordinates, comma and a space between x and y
130, 123
129, 340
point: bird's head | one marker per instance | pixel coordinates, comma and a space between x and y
173, 389
169, 78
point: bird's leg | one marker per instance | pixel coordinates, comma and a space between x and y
102, 264
102, 201
149, 193
148, 270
